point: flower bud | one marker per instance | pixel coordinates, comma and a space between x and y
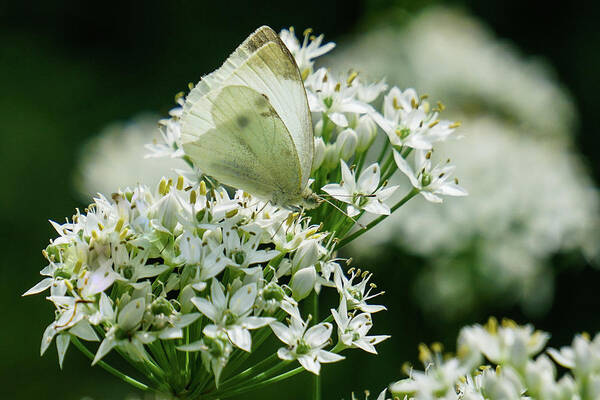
167, 211
307, 255
319, 154
284, 268
303, 283
318, 129
366, 130
346, 143
332, 157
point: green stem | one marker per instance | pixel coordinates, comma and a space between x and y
360, 162
255, 386
248, 372
388, 164
316, 378
386, 145
376, 221
108, 368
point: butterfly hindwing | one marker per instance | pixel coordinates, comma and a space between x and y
249, 146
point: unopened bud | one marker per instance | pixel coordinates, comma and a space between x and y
319, 154
366, 130
303, 283
318, 130
332, 157
346, 143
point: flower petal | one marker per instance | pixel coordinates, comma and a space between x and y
317, 335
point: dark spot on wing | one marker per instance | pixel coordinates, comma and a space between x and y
242, 121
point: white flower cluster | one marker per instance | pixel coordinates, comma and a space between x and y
449, 54
513, 367
187, 280
185, 269
507, 233
498, 244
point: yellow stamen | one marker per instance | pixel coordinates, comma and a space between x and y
434, 123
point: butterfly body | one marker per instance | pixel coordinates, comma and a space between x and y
249, 126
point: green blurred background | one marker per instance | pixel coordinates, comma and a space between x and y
69, 68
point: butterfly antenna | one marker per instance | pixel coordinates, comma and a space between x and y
342, 211
277, 230
263, 207
344, 195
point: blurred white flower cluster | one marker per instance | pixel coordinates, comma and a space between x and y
182, 281
530, 195
504, 363
448, 54
115, 158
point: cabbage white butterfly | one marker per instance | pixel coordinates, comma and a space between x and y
248, 124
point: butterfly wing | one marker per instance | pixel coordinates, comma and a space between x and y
264, 64
249, 147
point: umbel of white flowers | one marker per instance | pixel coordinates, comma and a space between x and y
504, 363
186, 280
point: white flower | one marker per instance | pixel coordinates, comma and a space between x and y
509, 343
356, 295
369, 92
353, 329
330, 95
170, 130
429, 180
242, 249
207, 262
231, 314
437, 382
408, 121
305, 345
306, 52
125, 334
583, 356
362, 194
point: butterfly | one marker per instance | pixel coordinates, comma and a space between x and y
248, 124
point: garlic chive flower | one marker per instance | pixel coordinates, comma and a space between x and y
431, 181
231, 315
306, 52
409, 121
334, 96
503, 362
364, 194
356, 295
353, 329
305, 345
181, 269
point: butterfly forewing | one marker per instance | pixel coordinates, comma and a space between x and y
264, 64
249, 147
